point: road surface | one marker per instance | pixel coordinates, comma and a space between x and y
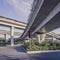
19, 53
13, 53
45, 56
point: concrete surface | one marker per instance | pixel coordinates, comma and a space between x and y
13, 53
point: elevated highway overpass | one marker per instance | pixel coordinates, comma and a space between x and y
44, 17
12, 24
53, 35
8, 33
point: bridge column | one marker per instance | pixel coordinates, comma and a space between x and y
12, 35
6, 38
53, 38
42, 37
39, 38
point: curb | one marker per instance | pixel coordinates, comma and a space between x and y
46, 51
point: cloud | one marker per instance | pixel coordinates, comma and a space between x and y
22, 7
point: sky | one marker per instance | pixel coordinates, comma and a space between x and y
18, 10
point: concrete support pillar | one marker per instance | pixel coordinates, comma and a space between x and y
12, 35
6, 38
42, 37
53, 38
39, 38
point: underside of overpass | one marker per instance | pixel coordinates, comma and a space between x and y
44, 18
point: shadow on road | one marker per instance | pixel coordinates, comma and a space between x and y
20, 49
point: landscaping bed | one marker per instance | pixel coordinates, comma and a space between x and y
46, 45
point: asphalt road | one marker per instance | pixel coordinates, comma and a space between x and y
13, 53
45, 56
18, 53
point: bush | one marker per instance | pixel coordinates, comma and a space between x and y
2, 43
47, 45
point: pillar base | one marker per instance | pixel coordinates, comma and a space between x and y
12, 44
41, 38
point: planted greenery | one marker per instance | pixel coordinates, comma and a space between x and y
47, 45
2, 42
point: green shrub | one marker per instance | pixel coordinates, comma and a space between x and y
2, 43
47, 45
